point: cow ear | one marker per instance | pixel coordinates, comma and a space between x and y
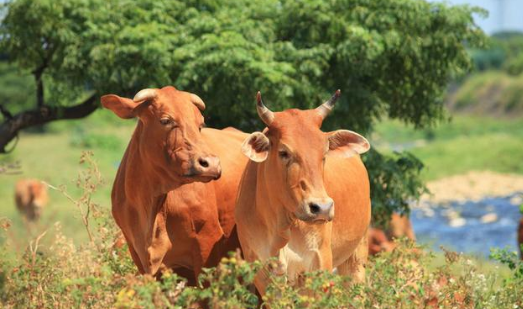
122, 107
256, 147
347, 143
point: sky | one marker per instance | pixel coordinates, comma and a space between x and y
504, 15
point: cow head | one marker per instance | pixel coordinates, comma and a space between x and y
293, 150
170, 136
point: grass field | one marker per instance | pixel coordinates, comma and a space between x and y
465, 143
54, 158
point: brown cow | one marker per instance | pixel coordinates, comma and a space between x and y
169, 215
520, 238
379, 242
383, 240
31, 197
296, 175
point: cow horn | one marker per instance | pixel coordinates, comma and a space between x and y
326, 107
145, 94
265, 114
196, 100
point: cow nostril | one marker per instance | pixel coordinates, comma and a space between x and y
315, 209
203, 162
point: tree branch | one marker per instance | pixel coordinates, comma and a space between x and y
10, 127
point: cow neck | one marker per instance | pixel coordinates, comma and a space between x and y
269, 208
143, 180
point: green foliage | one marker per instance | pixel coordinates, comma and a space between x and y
511, 259
396, 181
389, 57
18, 88
503, 50
515, 65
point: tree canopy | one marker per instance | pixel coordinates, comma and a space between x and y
390, 58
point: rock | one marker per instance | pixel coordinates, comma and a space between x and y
451, 214
516, 200
428, 212
457, 222
489, 218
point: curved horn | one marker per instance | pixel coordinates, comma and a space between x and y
265, 114
326, 107
196, 100
145, 94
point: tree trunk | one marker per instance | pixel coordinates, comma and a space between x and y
41, 115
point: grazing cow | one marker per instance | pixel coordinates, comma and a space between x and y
383, 240
520, 238
162, 199
304, 196
31, 197
379, 242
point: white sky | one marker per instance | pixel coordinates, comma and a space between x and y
503, 14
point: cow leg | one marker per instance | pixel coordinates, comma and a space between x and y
136, 258
261, 281
354, 266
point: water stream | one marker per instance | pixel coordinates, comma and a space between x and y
471, 227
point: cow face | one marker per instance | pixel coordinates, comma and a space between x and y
294, 151
169, 132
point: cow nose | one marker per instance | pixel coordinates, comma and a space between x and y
208, 166
321, 209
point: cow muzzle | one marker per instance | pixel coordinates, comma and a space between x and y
317, 210
206, 167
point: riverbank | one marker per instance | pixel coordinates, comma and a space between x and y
475, 186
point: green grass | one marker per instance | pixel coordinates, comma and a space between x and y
463, 144
54, 158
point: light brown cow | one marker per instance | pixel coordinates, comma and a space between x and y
31, 197
169, 215
304, 196
383, 240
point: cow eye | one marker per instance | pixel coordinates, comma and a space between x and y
283, 154
168, 122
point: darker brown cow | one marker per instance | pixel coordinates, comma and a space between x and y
31, 197
304, 196
383, 240
170, 215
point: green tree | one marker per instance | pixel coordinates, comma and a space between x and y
391, 58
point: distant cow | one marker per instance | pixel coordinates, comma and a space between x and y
383, 240
31, 197
166, 198
520, 238
304, 197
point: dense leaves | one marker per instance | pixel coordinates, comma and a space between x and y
389, 57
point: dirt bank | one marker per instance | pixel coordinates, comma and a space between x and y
474, 186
